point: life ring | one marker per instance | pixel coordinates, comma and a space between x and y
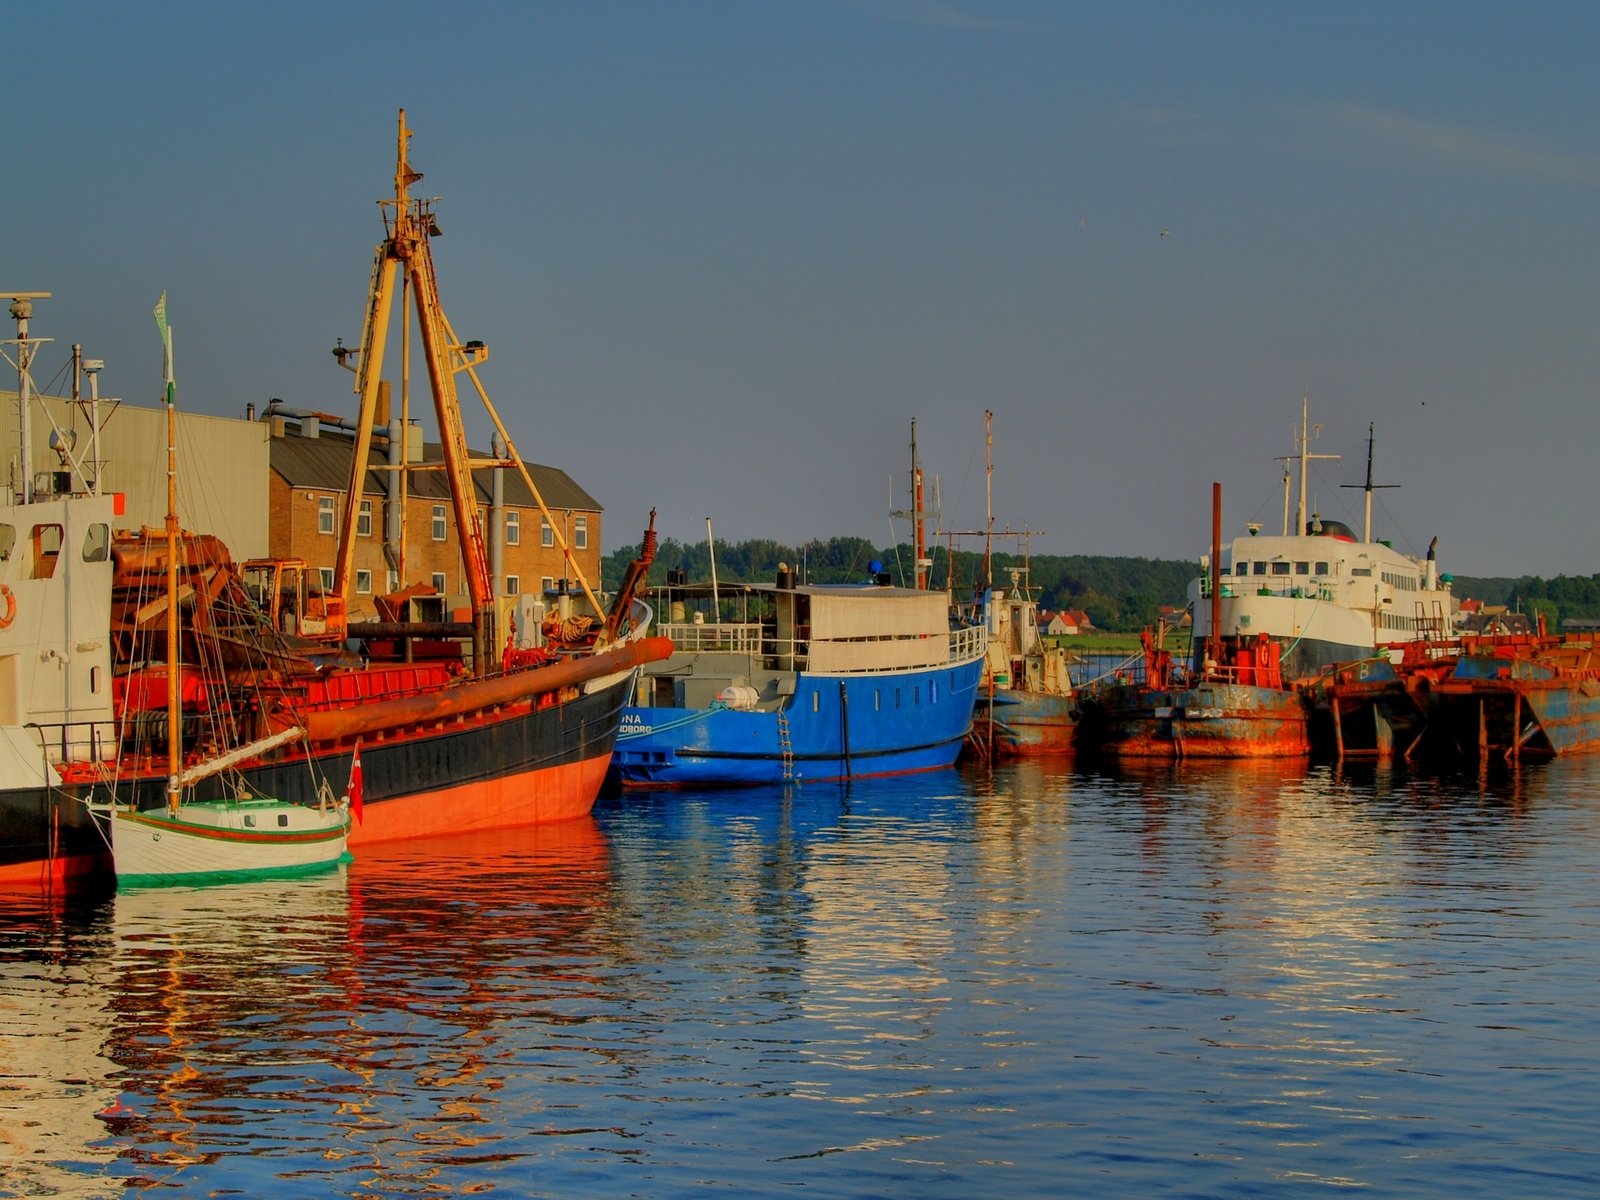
8, 607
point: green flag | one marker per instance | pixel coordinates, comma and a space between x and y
160, 311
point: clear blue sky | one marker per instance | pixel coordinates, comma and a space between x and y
724, 251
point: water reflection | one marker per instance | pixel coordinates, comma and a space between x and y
1204, 979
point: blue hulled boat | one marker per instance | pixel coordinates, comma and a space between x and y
769, 683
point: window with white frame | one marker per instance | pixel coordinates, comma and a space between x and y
580, 533
439, 582
438, 523
327, 578
325, 514
513, 528
364, 519
364, 582
547, 584
513, 585
547, 535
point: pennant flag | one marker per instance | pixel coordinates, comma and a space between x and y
160, 312
352, 792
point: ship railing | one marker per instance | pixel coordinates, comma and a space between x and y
75, 741
731, 638
1244, 586
968, 642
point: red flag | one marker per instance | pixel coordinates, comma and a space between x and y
352, 793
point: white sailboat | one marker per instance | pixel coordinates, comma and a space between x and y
239, 836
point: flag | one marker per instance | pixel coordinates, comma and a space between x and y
160, 312
352, 791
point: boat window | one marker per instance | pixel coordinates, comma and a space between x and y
1302, 568
877, 699
97, 543
1280, 568
8, 540
1361, 570
816, 701
1260, 568
933, 691
46, 548
1322, 568
1229, 570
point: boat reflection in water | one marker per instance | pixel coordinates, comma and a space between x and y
350, 1024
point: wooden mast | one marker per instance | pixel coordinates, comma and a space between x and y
410, 225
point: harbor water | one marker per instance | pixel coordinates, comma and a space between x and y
1237, 980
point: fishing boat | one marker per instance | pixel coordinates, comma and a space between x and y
1270, 617
788, 681
773, 683
1234, 703
1026, 704
242, 835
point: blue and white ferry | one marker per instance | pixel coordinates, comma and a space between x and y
769, 683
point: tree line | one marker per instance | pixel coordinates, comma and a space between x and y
1118, 593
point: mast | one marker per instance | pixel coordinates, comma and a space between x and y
988, 499
1214, 641
1303, 454
918, 544
410, 224
1366, 528
174, 683
21, 312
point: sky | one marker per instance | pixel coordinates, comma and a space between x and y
725, 252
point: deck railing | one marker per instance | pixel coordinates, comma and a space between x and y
754, 640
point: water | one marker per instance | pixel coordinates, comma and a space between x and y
1235, 981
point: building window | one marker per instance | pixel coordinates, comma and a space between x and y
513, 529
580, 533
364, 519
364, 582
547, 584
325, 514
439, 531
547, 536
513, 585
327, 578
439, 582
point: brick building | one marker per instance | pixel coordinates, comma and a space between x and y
307, 489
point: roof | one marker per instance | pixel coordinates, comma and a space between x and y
323, 463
